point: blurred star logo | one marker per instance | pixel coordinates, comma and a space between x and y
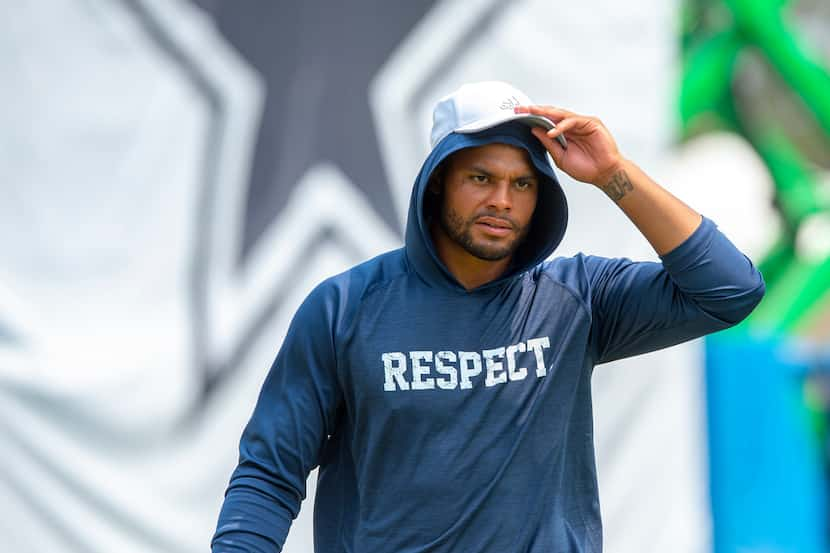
291, 126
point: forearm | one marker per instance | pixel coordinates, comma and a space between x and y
664, 220
251, 521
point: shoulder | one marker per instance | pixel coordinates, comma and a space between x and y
339, 296
362, 278
574, 272
582, 269
566, 273
581, 273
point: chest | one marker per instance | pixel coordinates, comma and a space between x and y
416, 354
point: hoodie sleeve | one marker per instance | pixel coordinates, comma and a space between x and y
704, 285
281, 444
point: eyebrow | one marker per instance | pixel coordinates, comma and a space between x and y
486, 173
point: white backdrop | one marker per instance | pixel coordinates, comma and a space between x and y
106, 440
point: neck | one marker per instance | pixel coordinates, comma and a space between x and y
469, 270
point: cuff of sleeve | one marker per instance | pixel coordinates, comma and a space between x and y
689, 250
250, 518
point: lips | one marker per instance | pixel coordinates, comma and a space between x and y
495, 226
495, 222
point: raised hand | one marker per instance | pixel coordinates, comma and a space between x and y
592, 155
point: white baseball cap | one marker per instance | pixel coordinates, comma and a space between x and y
478, 106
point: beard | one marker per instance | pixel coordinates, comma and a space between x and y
460, 231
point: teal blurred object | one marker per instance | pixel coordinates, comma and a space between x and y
769, 489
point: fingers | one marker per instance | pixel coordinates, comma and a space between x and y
564, 126
553, 113
565, 120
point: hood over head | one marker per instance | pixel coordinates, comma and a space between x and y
549, 220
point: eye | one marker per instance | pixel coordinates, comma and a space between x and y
524, 184
479, 178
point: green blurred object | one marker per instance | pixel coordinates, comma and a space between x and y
720, 40
749, 70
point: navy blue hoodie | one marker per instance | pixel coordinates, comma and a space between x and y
446, 420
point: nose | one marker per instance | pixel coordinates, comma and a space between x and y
500, 198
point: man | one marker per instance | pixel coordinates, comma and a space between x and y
444, 388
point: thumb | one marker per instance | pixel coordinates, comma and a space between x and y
557, 152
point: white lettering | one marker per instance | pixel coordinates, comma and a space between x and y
419, 370
394, 365
470, 366
450, 370
538, 345
512, 372
494, 366
446, 357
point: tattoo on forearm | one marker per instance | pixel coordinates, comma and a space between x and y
618, 186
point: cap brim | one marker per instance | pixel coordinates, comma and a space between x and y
527, 118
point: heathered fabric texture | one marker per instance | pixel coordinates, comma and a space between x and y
446, 420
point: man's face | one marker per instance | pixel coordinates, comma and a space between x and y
489, 195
